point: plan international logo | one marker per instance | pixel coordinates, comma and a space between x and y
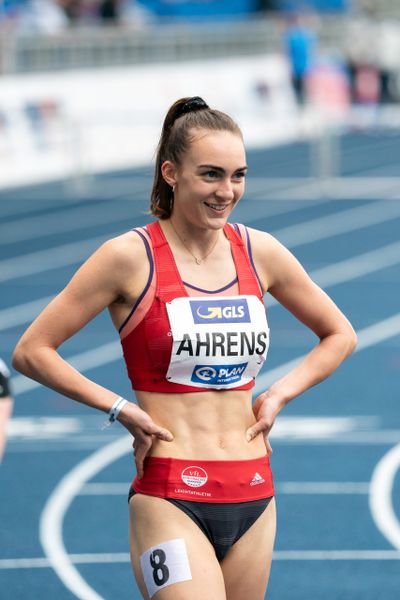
220, 311
218, 374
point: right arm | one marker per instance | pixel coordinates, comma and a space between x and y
96, 285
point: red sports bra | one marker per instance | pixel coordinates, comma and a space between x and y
175, 342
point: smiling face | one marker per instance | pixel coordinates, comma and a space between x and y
209, 181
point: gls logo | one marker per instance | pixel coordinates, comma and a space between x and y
218, 374
220, 311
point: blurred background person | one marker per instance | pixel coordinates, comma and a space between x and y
6, 405
45, 17
300, 43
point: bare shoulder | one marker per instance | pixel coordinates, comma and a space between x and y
272, 259
114, 274
124, 251
119, 262
261, 240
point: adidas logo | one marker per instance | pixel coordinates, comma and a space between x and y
257, 479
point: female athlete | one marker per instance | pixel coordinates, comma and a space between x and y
185, 293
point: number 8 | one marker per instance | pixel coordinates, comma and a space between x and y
159, 565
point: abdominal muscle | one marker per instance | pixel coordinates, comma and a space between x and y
209, 425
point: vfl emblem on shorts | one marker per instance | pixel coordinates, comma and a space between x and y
220, 311
218, 374
194, 476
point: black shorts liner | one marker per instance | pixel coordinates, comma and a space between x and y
4, 385
222, 524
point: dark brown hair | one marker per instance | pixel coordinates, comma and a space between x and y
183, 117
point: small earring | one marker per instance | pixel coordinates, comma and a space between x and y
173, 189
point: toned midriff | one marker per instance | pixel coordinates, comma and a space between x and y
209, 425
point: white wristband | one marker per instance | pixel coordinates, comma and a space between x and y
114, 411
116, 408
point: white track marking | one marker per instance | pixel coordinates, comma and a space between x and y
264, 209
58, 504
282, 487
338, 223
77, 559
36, 199
79, 217
51, 520
296, 235
292, 236
52, 258
48, 428
89, 216
367, 337
104, 489
83, 361
36, 434
108, 353
341, 188
358, 266
331, 275
123, 557
380, 498
62, 256
70, 486
22, 313
322, 487
336, 555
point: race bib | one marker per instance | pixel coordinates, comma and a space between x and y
218, 343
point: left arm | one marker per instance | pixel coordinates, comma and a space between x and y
289, 283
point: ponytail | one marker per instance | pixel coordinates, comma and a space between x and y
183, 116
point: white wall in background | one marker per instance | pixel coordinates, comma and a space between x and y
63, 124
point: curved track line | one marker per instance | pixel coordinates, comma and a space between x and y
380, 496
62, 497
51, 520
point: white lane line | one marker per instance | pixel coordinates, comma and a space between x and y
34, 200
123, 557
83, 361
56, 507
111, 352
342, 188
367, 337
28, 311
104, 489
358, 266
35, 434
336, 555
74, 252
265, 209
22, 313
89, 216
322, 487
337, 273
282, 487
51, 520
340, 272
342, 222
52, 258
382, 438
70, 486
380, 499
77, 559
